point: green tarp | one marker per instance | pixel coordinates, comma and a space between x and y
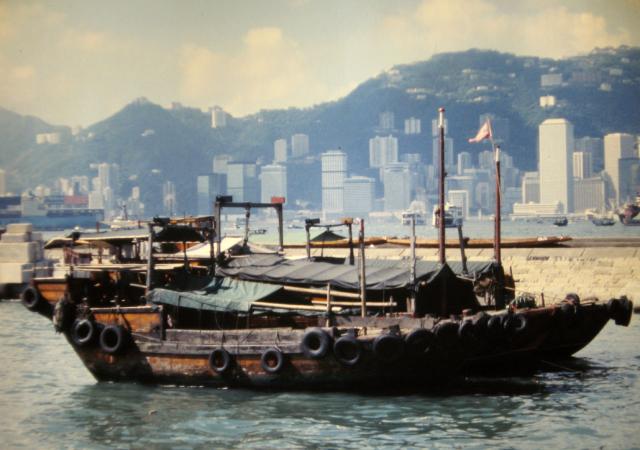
222, 294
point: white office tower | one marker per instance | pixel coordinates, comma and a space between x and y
299, 145
459, 198
556, 163
397, 187
530, 187
273, 181
3, 183
218, 117
412, 125
105, 175
280, 150
169, 198
382, 151
582, 165
359, 195
334, 172
589, 194
464, 162
617, 146
220, 163
435, 129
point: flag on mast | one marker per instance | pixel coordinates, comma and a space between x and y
483, 133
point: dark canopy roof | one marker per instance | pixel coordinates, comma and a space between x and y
327, 236
380, 274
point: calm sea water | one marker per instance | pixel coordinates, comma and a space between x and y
49, 400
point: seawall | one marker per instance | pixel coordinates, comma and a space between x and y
603, 268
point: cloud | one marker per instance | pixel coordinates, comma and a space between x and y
549, 30
268, 71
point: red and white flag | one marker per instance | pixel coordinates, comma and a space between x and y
483, 133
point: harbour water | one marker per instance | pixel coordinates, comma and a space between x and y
49, 400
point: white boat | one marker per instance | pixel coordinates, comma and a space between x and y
419, 215
453, 216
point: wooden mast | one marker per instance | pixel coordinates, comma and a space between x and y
441, 232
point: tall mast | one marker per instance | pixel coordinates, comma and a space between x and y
441, 234
496, 235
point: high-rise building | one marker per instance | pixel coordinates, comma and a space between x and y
208, 187
595, 147
448, 153
386, 120
435, 130
555, 163
242, 181
629, 179
299, 145
3, 183
459, 199
220, 163
589, 194
617, 146
273, 179
280, 150
530, 188
582, 165
359, 195
218, 117
334, 172
169, 198
464, 162
412, 125
383, 151
397, 187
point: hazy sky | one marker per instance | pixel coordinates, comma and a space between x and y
77, 62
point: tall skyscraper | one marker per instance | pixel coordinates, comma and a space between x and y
334, 172
273, 179
617, 146
383, 151
280, 150
448, 153
595, 147
582, 165
169, 198
412, 125
242, 181
589, 194
208, 187
386, 120
397, 187
556, 163
359, 195
299, 145
464, 162
220, 163
530, 187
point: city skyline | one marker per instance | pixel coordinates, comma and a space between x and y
78, 62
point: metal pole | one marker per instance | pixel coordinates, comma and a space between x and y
463, 256
496, 237
307, 227
247, 215
218, 228
212, 255
412, 305
280, 227
149, 284
363, 273
328, 323
441, 232
351, 256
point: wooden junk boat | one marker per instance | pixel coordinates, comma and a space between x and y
268, 321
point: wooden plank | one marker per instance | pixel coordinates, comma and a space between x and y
321, 292
293, 306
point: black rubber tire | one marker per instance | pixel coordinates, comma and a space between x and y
623, 316
272, 360
348, 351
468, 333
220, 361
573, 298
447, 334
113, 339
31, 298
495, 330
514, 323
83, 332
419, 342
316, 343
388, 348
613, 308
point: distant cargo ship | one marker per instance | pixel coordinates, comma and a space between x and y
56, 212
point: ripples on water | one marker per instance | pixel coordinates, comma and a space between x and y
49, 400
